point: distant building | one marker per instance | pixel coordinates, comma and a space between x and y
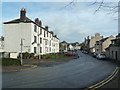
87, 44
74, 46
70, 47
36, 38
63, 46
93, 40
113, 51
104, 43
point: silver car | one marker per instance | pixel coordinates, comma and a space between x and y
101, 56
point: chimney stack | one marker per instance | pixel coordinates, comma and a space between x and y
40, 23
46, 27
87, 37
37, 20
22, 14
52, 32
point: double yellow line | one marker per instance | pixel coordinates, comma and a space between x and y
105, 81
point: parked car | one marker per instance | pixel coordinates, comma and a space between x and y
70, 54
85, 52
101, 56
94, 54
82, 51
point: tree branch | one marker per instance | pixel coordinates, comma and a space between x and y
99, 6
70, 3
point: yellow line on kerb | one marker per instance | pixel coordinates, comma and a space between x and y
32, 66
108, 79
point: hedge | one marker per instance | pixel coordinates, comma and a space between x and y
10, 61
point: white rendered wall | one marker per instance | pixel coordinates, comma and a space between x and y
14, 33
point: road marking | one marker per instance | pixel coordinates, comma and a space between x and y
107, 80
103, 82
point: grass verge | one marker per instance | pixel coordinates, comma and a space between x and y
10, 62
53, 56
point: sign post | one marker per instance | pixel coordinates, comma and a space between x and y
21, 44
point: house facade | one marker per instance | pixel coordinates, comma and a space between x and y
93, 40
74, 46
63, 46
104, 43
31, 34
87, 44
113, 51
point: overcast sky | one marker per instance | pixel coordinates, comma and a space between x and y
72, 23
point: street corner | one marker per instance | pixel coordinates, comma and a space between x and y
17, 68
29, 66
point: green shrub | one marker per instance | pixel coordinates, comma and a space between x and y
26, 55
10, 61
52, 56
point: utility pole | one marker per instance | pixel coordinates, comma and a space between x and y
21, 45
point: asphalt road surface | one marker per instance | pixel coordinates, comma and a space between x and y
78, 73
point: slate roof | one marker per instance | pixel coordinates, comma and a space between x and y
117, 42
102, 40
63, 42
26, 20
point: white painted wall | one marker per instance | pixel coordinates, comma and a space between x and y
14, 54
13, 34
15, 31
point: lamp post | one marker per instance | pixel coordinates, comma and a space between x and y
21, 45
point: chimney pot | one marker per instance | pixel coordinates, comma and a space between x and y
46, 27
22, 14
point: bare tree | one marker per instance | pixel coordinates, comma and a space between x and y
101, 5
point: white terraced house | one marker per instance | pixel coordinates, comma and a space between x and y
36, 39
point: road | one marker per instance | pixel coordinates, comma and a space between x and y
78, 73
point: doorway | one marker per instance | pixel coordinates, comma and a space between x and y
116, 55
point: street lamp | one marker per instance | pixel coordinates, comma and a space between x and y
21, 44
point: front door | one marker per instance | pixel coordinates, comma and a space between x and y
116, 56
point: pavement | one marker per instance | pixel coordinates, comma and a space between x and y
30, 64
17, 68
